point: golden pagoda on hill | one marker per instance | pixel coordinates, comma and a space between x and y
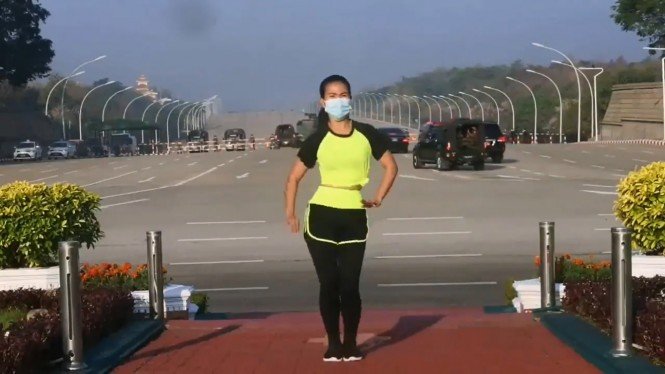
143, 88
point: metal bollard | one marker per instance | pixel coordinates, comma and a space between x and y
547, 295
70, 305
156, 277
622, 293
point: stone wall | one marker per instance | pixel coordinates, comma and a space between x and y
635, 112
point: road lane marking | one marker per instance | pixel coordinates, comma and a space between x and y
620, 170
569, 161
606, 214
147, 168
120, 167
507, 176
426, 233
600, 192
161, 164
242, 176
48, 171
215, 262
640, 160
556, 176
512, 167
193, 163
124, 203
231, 160
113, 162
436, 284
598, 185
427, 256
238, 157
45, 178
422, 218
135, 192
619, 175
220, 165
245, 154
224, 222
545, 156
598, 166
223, 239
415, 177
602, 229
71, 172
526, 152
263, 161
232, 289
586, 152
538, 173
109, 179
647, 152
610, 156
147, 180
195, 177
525, 170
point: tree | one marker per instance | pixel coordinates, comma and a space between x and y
24, 54
645, 17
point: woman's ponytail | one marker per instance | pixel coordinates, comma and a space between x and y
323, 119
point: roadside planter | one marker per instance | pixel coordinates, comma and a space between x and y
176, 301
648, 266
46, 278
528, 294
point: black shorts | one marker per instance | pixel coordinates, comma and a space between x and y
336, 226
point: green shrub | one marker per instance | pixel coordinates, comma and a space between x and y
200, 300
641, 207
35, 217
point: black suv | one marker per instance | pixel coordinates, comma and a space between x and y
287, 136
450, 145
495, 142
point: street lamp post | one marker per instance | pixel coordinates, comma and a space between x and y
145, 111
415, 100
595, 98
498, 116
408, 103
124, 113
109, 99
83, 102
168, 117
157, 116
591, 95
579, 87
448, 101
468, 107
560, 102
428, 107
437, 104
450, 108
190, 106
482, 110
399, 108
64, 87
48, 97
535, 108
384, 98
662, 61
512, 108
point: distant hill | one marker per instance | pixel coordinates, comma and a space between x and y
452, 80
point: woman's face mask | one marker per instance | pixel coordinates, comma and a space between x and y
338, 109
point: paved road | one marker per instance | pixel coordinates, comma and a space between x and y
441, 238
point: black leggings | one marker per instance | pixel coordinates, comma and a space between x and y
338, 268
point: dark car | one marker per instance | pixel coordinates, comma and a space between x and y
234, 139
96, 148
307, 127
398, 139
287, 136
451, 144
495, 142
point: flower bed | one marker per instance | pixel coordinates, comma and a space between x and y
526, 293
591, 300
29, 345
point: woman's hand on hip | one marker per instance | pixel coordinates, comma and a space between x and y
293, 223
374, 203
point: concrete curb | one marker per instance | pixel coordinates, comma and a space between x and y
592, 344
634, 141
119, 346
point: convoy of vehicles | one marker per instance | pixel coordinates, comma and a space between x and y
287, 136
234, 140
451, 145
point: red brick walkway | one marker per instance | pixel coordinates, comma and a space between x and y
422, 341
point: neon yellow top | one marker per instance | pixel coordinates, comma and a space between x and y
344, 163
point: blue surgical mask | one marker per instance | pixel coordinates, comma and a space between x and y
338, 109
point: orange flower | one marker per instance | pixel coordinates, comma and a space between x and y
567, 256
578, 262
536, 261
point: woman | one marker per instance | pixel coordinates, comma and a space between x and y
335, 225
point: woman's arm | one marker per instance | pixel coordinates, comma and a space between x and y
389, 174
295, 176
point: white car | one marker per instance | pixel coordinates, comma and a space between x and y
27, 150
61, 149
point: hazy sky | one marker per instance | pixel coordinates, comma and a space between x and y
272, 54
